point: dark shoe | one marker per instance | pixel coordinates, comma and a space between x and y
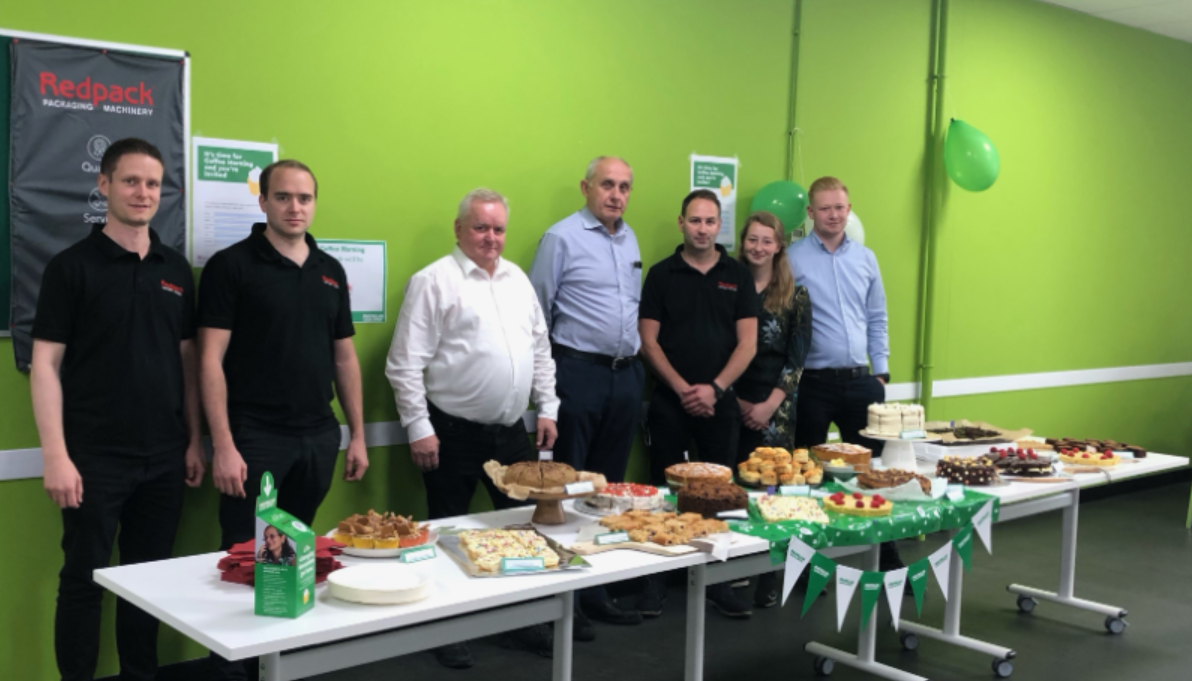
608, 612
649, 602
889, 559
537, 639
454, 656
581, 628
766, 595
728, 602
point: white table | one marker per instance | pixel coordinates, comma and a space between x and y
1018, 500
186, 594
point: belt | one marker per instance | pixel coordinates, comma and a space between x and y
614, 363
472, 425
839, 374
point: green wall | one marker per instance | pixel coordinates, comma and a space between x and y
1068, 262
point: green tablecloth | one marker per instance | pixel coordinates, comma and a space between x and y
908, 519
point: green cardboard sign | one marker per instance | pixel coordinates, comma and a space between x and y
284, 575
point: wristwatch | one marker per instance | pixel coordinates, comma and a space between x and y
717, 391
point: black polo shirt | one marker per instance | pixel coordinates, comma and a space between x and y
122, 320
698, 313
284, 319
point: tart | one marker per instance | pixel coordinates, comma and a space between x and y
1104, 459
859, 504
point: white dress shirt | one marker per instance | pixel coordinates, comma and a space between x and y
475, 345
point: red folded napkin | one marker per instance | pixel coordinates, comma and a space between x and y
238, 566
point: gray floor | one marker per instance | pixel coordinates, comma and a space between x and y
1134, 553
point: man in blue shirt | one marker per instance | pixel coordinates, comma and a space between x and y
848, 365
587, 273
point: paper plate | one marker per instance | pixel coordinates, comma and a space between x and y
432, 538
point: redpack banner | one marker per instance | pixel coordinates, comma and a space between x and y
68, 105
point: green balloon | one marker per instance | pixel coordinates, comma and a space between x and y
970, 158
785, 199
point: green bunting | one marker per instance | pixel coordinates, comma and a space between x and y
963, 541
871, 590
818, 574
917, 574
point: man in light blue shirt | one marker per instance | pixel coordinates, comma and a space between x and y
588, 273
848, 365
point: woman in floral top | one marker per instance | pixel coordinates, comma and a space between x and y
769, 387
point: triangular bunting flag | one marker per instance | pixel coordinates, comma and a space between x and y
963, 541
983, 522
821, 569
941, 560
847, 579
895, 581
798, 557
871, 589
917, 575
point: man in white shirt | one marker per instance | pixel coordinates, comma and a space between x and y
470, 350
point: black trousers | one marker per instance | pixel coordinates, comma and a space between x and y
142, 496
824, 400
670, 431
598, 416
464, 447
302, 467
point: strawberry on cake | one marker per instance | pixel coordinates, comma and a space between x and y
858, 504
1079, 458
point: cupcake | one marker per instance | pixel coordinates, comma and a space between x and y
343, 533
386, 538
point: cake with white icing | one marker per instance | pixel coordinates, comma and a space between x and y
620, 497
892, 418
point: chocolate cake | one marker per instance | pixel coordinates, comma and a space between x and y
1021, 462
891, 478
709, 497
964, 471
1097, 445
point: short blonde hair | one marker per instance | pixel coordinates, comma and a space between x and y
826, 183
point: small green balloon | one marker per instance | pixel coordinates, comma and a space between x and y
970, 158
785, 199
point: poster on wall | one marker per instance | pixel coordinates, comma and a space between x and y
720, 175
227, 176
366, 266
68, 105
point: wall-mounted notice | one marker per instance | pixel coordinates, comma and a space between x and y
366, 266
720, 175
227, 176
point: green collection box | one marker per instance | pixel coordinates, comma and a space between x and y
284, 579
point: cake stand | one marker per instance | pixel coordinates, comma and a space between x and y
549, 508
897, 452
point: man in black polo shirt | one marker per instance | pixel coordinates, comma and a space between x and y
116, 400
275, 331
698, 324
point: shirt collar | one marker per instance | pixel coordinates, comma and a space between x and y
266, 250
679, 263
590, 222
820, 242
110, 248
469, 266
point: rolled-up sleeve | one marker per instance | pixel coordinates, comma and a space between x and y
877, 322
415, 340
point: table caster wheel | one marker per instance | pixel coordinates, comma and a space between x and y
1115, 625
824, 666
1027, 604
1003, 668
909, 641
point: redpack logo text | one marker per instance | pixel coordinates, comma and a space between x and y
87, 95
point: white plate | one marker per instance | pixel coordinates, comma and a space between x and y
381, 584
431, 540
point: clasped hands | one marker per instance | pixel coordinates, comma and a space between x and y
698, 400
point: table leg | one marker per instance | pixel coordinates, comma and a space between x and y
1028, 597
270, 667
697, 584
561, 664
826, 657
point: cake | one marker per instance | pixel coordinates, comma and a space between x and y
1097, 446
667, 529
709, 497
1082, 458
854, 455
968, 432
627, 496
682, 473
976, 471
858, 504
540, 474
385, 584
775, 508
892, 418
1023, 462
381, 531
776, 466
1036, 443
892, 478
486, 548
